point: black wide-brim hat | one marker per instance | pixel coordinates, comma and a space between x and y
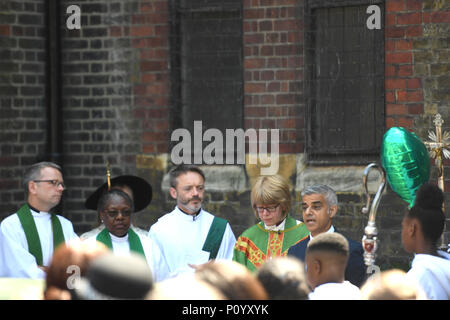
142, 192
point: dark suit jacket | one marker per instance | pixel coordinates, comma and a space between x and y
356, 269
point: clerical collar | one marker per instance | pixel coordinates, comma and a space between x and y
194, 216
36, 210
114, 238
276, 228
33, 208
329, 231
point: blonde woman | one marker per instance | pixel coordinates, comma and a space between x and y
277, 232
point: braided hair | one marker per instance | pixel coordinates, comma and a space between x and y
427, 210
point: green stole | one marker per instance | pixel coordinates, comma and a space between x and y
133, 241
32, 235
214, 237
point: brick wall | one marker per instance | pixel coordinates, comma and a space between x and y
115, 93
404, 94
273, 69
416, 61
149, 31
417, 66
22, 96
116, 107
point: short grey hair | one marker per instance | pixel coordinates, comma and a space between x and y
34, 172
328, 193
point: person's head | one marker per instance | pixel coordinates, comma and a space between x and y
187, 186
184, 287
284, 278
319, 205
232, 279
44, 185
125, 188
423, 224
326, 259
271, 199
391, 285
112, 277
114, 209
69, 262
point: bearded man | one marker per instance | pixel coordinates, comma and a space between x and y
189, 235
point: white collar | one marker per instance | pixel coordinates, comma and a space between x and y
38, 213
329, 231
182, 215
276, 228
119, 239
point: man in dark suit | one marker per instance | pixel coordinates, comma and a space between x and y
320, 205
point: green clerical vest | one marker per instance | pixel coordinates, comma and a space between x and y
257, 244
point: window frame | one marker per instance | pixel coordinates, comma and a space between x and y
176, 11
356, 156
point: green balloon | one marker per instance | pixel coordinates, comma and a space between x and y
406, 162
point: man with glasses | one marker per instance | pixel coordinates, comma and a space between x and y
29, 237
320, 206
277, 231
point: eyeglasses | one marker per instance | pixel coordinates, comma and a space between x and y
269, 209
55, 183
115, 213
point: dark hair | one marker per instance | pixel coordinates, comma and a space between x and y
232, 279
108, 195
284, 279
427, 210
182, 169
331, 242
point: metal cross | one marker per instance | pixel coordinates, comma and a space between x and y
439, 149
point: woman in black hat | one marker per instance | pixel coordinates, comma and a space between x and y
139, 190
114, 209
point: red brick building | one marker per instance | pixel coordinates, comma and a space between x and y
135, 71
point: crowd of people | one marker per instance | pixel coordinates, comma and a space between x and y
191, 254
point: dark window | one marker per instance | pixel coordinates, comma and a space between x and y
345, 82
206, 64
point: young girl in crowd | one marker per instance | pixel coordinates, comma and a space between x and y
422, 228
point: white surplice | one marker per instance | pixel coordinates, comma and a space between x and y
432, 274
181, 238
152, 253
15, 259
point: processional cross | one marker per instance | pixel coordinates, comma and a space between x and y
439, 149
